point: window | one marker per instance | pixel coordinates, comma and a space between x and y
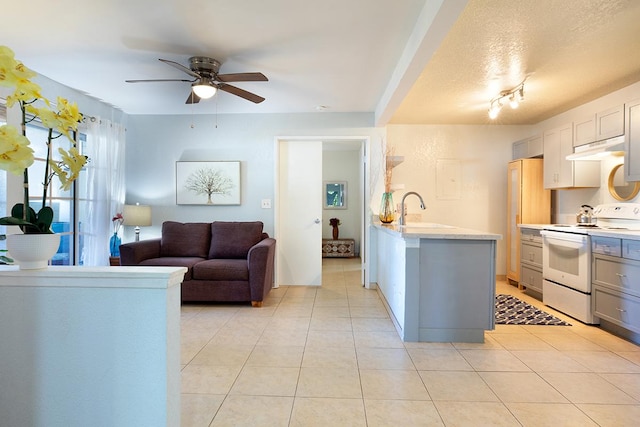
65, 204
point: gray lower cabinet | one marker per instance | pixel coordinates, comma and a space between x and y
531, 260
615, 274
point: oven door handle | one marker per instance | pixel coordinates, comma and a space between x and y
564, 243
571, 242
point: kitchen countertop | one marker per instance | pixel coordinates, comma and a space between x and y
435, 231
620, 234
601, 232
533, 226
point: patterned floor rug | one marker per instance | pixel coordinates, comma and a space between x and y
512, 311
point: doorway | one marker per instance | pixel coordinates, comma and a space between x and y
299, 216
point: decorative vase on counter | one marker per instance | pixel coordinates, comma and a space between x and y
114, 245
32, 251
387, 213
336, 232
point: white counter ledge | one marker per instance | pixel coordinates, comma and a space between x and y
84, 346
94, 277
437, 281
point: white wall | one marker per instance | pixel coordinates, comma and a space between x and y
483, 153
155, 143
343, 166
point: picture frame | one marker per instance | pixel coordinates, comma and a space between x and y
334, 195
214, 183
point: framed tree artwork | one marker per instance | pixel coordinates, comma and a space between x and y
208, 183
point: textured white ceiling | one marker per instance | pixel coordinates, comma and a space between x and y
569, 52
350, 56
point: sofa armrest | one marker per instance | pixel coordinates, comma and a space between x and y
134, 253
261, 264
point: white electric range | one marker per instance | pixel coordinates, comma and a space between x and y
566, 258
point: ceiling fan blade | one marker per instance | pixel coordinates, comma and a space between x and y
242, 77
159, 80
181, 68
193, 98
241, 93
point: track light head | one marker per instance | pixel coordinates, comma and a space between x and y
513, 101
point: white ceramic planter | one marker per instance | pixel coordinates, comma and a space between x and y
32, 251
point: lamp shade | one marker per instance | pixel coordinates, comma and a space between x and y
204, 90
138, 215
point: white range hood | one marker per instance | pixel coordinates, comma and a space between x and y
599, 149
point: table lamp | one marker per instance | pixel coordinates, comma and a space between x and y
137, 215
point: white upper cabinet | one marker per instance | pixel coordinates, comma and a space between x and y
527, 148
596, 127
560, 172
584, 130
610, 123
632, 142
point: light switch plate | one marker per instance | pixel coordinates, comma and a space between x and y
266, 203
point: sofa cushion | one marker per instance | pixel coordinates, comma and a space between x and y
234, 239
222, 270
185, 240
188, 262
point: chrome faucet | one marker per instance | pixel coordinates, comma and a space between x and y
401, 220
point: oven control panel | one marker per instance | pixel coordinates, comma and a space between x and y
628, 211
618, 216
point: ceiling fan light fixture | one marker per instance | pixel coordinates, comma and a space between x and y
204, 89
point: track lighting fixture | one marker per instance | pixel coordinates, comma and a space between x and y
513, 96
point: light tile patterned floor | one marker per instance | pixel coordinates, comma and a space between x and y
330, 356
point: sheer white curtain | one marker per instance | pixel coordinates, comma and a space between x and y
105, 187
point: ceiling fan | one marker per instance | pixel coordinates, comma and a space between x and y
206, 80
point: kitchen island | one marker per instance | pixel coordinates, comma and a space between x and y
437, 281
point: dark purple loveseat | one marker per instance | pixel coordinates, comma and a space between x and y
226, 261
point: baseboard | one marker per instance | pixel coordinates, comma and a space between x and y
620, 331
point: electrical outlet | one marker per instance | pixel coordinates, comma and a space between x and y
266, 203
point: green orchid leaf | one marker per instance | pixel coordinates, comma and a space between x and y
18, 209
33, 224
45, 219
10, 220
